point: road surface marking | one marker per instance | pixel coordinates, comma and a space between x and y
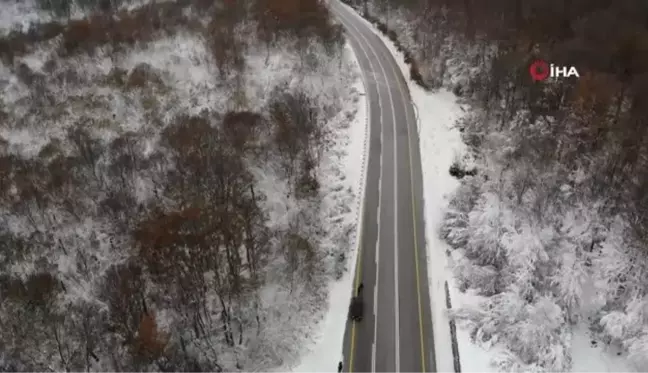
352, 352
373, 357
359, 260
396, 295
375, 297
416, 248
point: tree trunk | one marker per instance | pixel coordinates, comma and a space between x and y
227, 327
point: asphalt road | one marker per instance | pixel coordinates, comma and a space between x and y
396, 332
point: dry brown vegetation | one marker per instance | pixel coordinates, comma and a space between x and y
125, 29
17, 43
206, 218
301, 19
187, 261
118, 30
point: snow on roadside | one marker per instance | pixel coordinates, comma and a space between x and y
440, 144
347, 175
588, 357
473, 358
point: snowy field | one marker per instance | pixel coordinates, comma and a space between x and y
441, 145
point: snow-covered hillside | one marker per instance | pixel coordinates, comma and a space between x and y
176, 184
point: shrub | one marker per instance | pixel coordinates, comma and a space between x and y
456, 170
85, 34
391, 34
303, 19
38, 291
128, 28
416, 76
243, 129
143, 75
17, 43
58, 8
117, 76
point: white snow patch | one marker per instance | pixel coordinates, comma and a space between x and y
474, 358
27, 142
277, 70
186, 61
19, 15
280, 207
91, 67
144, 189
12, 89
595, 358
37, 59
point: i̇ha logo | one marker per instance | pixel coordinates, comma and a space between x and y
541, 70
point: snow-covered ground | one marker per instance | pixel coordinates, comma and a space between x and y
329, 334
18, 15
441, 145
183, 80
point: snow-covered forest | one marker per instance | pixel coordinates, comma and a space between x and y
172, 194
549, 228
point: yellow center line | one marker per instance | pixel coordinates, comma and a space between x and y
416, 259
355, 291
352, 352
418, 282
401, 82
416, 247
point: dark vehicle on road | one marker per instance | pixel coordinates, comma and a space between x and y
356, 309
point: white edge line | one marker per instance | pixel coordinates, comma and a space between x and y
396, 296
366, 159
375, 298
416, 115
405, 97
363, 176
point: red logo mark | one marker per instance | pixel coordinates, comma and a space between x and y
539, 70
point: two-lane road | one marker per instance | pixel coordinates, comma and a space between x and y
396, 334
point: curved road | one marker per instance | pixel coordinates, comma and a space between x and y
396, 333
